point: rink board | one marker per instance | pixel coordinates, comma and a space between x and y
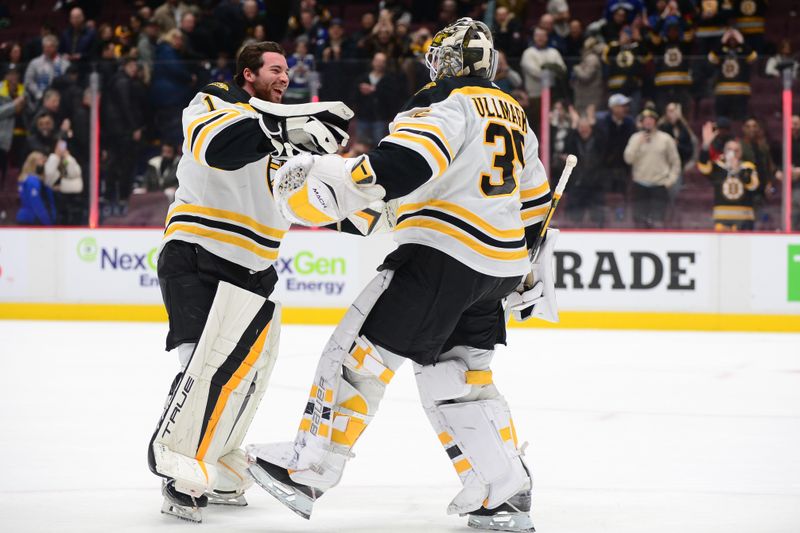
692, 281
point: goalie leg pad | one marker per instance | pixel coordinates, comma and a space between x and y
218, 393
348, 386
474, 425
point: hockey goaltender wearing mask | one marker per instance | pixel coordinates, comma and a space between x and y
471, 197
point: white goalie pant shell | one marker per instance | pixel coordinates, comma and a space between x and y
197, 441
474, 424
349, 384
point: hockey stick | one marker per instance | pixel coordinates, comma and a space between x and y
560, 186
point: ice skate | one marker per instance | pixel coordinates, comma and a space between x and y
231, 498
513, 515
182, 505
275, 480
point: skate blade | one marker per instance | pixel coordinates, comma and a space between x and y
214, 498
502, 522
288, 496
190, 514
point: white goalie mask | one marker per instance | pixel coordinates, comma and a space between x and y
464, 48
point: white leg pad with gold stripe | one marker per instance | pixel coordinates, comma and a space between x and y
474, 425
214, 403
348, 386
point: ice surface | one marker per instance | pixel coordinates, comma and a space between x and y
629, 432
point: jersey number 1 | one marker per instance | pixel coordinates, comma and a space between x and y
513, 149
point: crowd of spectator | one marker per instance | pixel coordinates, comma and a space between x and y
640, 65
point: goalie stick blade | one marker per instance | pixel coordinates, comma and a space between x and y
275, 480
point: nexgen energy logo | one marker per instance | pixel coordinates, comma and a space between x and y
309, 273
112, 259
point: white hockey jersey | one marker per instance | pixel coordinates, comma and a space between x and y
224, 199
485, 182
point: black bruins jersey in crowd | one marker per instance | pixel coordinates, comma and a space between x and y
625, 66
224, 201
672, 62
712, 17
733, 192
733, 69
750, 18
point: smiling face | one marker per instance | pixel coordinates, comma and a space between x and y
270, 81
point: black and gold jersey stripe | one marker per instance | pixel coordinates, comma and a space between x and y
535, 203
226, 227
464, 226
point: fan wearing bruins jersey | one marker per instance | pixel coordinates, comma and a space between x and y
735, 183
216, 275
461, 166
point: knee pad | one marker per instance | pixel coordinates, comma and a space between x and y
216, 397
474, 425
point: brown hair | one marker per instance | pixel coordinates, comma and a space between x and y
251, 56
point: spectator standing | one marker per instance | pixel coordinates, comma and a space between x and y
37, 202
360, 37
301, 74
252, 18
755, 148
615, 23
171, 87
751, 21
559, 10
674, 124
77, 41
168, 14
587, 78
222, 70
12, 57
336, 67
656, 167
161, 173
711, 23
124, 110
732, 88
62, 174
613, 129
554, 40
507, 32
734, 180
12, 103
586, 185
573, 43
673, 79
42, 136
535, 60
379, 96
782, 60
509, 80
626, 59
42, 70
146, 45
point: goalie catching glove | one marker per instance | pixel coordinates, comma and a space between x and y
317, 190
537, 298
319, 128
